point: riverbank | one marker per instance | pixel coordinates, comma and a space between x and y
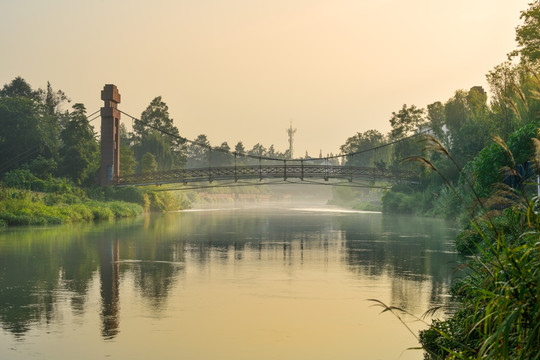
25, 207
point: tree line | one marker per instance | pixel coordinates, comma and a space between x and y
465, 126
41, 138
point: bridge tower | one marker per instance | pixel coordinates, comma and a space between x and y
110, 136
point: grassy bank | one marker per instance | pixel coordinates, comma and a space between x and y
25, 207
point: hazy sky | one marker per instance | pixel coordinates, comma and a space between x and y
243, 69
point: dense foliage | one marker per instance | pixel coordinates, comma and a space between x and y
499, 304
483, 160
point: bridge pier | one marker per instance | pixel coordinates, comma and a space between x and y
110, 136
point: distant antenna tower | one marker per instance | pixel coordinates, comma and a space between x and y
291, 132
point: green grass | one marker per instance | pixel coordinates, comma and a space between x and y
22, 207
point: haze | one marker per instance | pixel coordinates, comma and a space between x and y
243, 69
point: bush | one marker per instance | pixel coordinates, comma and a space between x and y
130, 194
403, 203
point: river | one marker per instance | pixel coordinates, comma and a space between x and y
256, 283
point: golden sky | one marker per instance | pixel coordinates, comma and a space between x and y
243, 69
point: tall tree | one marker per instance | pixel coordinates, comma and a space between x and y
198, 153
363, 141
157, 116
18, 87
28, 131
239, 148
258, 150
404, 123
437, 120
21, 138
157, 134
148, 163
221, 155
127, 156
528, 34
456, 111
406, 120
79, 151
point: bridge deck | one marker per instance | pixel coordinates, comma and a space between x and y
261, 172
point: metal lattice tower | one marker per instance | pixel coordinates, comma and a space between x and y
291, 132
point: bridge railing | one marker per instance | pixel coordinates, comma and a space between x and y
261, 172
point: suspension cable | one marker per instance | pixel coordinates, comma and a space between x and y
194, 142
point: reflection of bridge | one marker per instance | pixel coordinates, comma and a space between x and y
262, 172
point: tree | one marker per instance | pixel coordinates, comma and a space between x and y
148, 163
127, 156
468, 120
477, 101
154, 143
52, 100
239, 148
198, 152
257, 150
528, 34
79, 152
359, 142
221, 155
22, 138
155, 116
28, 131
19, 88
405, 121
456, 111
157, 134
437, 120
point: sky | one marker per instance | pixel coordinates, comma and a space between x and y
242, 70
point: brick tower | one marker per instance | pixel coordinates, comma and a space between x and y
110, 136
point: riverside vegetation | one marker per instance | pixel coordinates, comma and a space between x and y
481, 170
27, 200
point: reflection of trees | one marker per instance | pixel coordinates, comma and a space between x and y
414, 252
27, 281
211, 237
35, 267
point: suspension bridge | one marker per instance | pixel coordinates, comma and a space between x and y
264, 172
285, 169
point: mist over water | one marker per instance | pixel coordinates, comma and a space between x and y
272, 280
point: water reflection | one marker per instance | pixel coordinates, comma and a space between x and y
408, 250
142, 265
109, 256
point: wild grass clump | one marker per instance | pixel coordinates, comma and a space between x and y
499, 300
499, 313
151, 198
121, 209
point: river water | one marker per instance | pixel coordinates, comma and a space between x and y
259, 283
